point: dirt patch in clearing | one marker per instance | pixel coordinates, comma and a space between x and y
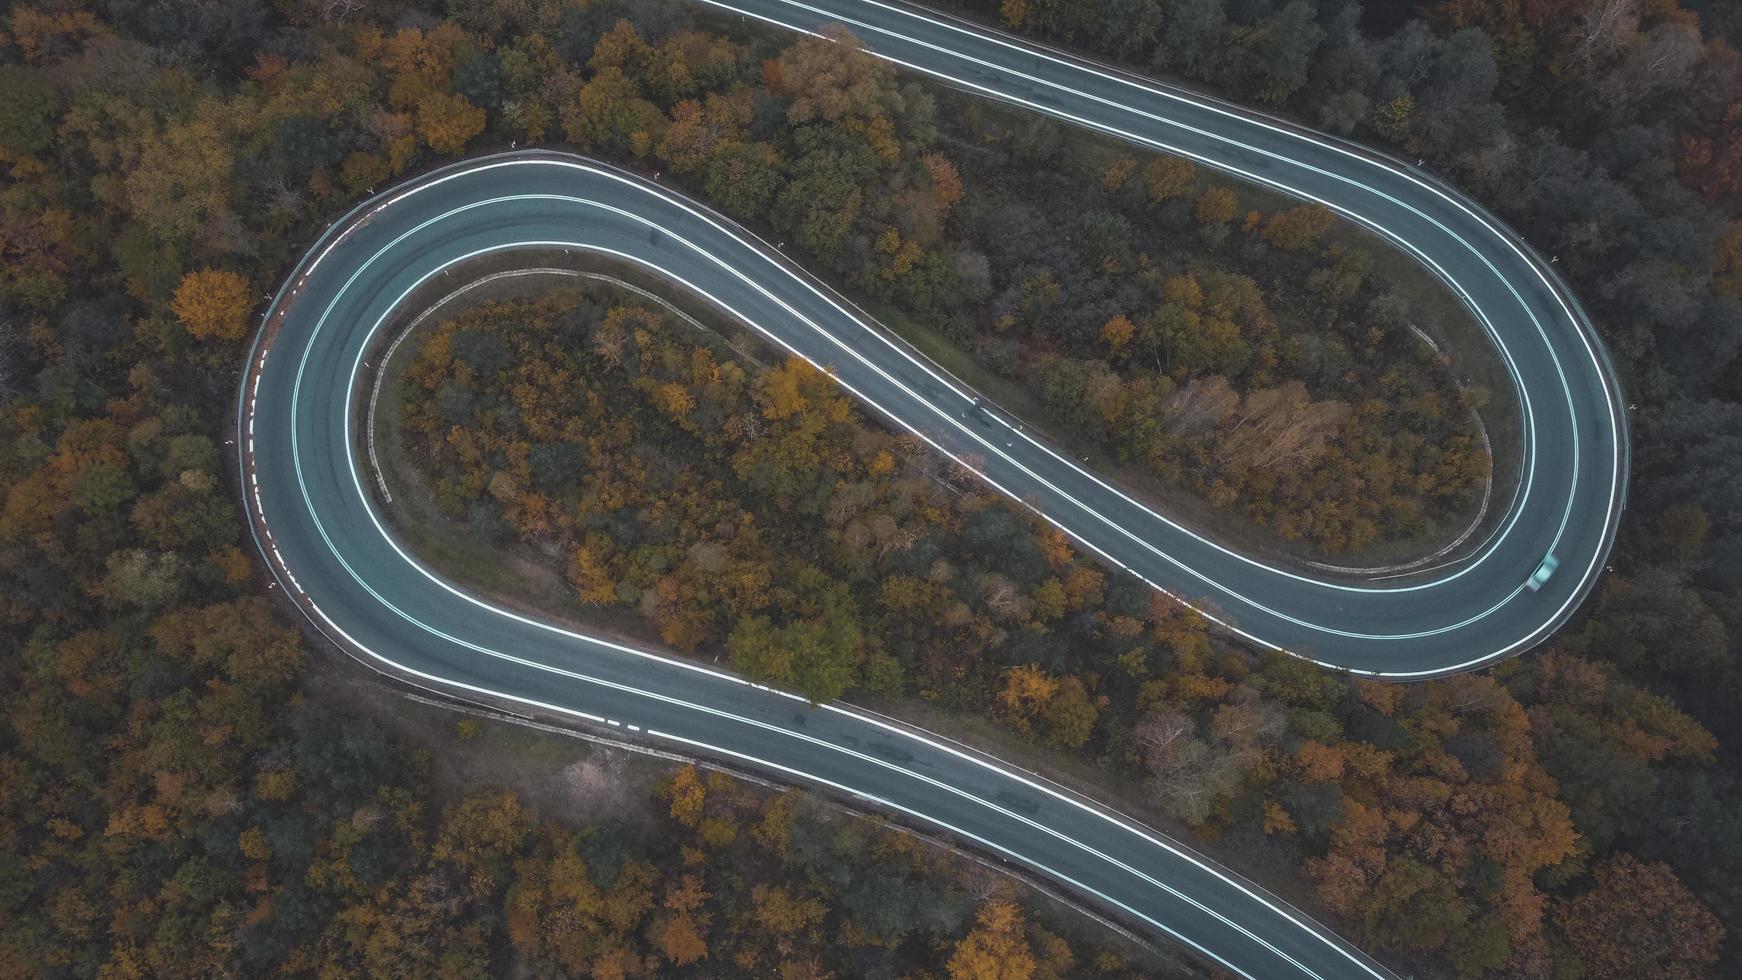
565, 778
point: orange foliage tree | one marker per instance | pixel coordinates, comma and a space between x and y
1639, 921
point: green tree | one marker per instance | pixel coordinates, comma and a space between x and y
27, 112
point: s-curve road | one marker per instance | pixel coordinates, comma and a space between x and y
319, 529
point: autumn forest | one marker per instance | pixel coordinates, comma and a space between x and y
178, 797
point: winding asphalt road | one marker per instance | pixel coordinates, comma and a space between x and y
328, 547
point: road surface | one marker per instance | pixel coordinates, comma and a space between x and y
320, 531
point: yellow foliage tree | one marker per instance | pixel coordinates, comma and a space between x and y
591, 573
213, 304
1168, 177
1116, 333
619, 47
1276, 819
1183, 290
252, 843
447, 122
1216, 205
1297, 227
681, 941
784, 913
687, 795
995, 949
1027, 690
675, 400
782, 396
